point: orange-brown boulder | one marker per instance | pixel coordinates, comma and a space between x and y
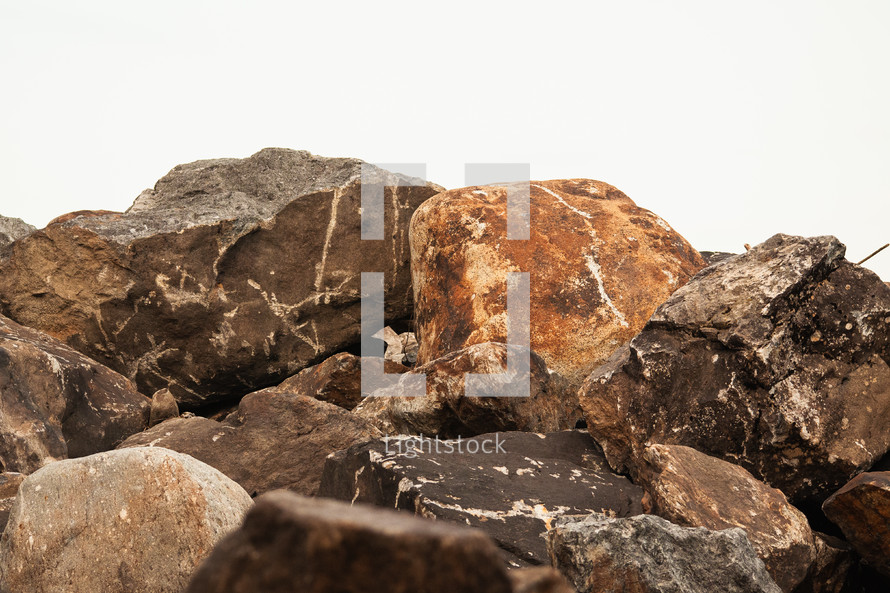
599, 266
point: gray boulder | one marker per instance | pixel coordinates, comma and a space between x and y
13, 229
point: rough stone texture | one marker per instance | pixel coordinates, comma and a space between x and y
227, 277
539, 579
599, 266
291, 543
133, 521
273, 440
834, 567
9, 488
57, 403
862, 510
13, 229
647, 554
775, 360
337, 380
400, 348
551, 405
692, 489
713, 257
163, 407
514, 490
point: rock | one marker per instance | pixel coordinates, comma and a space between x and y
13, 229
833, 570
273, 440
599, 266
550, 406
512, 485
132, 521
692, 489
713, 257
775, 359
291, 543
57, 403
862, 510
539, 579
337, 380
9, 488
400, 348
163, 407
227, 277
647, 554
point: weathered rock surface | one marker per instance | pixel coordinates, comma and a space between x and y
512, 485
13, 229
862, 510
647, 554
538, 579
273, 440
337, 380
400, 348
834, 568
775, 360
228, 276
713, 257
57, 403
692, 489
9, 488
291, 543
446, 412
132, 521
163, 407
599, 266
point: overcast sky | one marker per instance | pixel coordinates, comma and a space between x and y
733, 121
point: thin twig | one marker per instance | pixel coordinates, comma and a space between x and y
873, 254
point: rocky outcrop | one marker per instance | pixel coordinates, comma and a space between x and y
292, 543
445, 411
273, 440
862, 510
775, 360
11, 230
647, 554
57, 403
132, 521
227, 277
599, 266
511, 485
692, 489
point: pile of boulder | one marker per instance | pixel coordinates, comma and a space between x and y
182, 405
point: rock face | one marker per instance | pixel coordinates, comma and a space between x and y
133, 521
291, 543
862, 510
446, 412
692, 489
57, 403
13, 229
647, 554
599, 266
273, 440
511, 485
775, 360
228, 276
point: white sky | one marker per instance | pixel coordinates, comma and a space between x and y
733, 121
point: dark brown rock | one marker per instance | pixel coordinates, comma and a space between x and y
647, 554
229, 276
775, 360
599, 266
692, 489
291, 543
446, 412
9, 488
57, 403
862, 510
273, 440
512, 485
163, 407
834, 568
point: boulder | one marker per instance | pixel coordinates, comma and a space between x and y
648, 554
9, 488
834, 568
132, 521
163, 407
227, 277
337, 380
692, 489
446, 412
292, 543
862, 510
273, 440
57, 403
13, 229
512, 485
599, 265
400, 348
775, 359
